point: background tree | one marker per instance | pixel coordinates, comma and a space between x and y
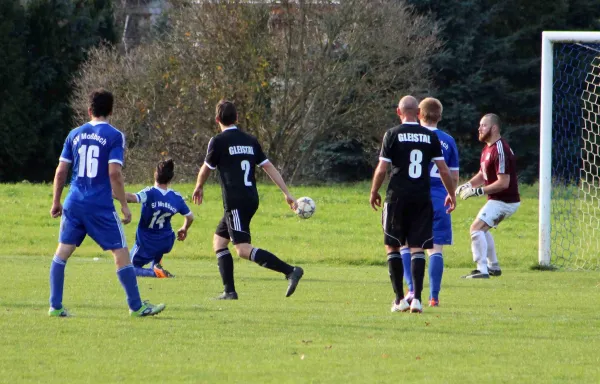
15, 145
491, 63
299, 72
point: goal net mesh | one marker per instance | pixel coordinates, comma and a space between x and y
575, 204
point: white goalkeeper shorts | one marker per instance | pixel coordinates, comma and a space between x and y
494, 211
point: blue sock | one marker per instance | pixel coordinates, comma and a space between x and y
57, 282
406, 257
144, 272
436, 270
129, 283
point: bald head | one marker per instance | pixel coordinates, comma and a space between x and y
408, 108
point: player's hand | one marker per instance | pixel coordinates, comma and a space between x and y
126, 214
375, 200
450, 202
470, 192
463, 187
198, 195
181, 234
291, 201
56, 210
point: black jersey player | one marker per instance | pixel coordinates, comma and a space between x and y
236, 154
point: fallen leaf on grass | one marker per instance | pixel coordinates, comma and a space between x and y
385, 355
328, 346
418, 357
307, 341
302, 357
427, 324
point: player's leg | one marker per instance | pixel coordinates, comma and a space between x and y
492, 259
479, 247
107, 231
419, 221
406, 261
241, 238
442, 235
158, 253
435, 271
500, 212
393, 239
224, 259
139, 259
71, 234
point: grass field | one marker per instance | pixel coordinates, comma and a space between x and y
524, 327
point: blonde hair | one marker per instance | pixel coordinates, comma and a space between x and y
431, 109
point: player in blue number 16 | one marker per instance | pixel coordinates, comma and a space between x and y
95, 152
155, 236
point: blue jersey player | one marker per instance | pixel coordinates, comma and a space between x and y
430, 115
95, 153
155, 236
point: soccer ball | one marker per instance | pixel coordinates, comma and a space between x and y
306, 207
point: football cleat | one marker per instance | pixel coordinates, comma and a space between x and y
160, 272
147, 309
409, 297
434, 302
401, 306
415, 306
58, 312
294, 279
475, 274
495, 272
227, 296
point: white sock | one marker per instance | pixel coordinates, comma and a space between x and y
479, 248
492, 259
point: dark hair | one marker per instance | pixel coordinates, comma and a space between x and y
165, 170
101, 102
226, 113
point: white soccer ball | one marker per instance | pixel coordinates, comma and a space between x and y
306, 207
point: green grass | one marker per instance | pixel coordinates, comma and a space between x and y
524, 327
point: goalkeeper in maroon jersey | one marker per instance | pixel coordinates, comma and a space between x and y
498, 176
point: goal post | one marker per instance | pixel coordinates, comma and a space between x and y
569, 195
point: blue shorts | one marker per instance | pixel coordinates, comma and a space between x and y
442, 223
145, 252
103, 225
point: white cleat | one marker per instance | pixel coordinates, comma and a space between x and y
402, 306
415, 306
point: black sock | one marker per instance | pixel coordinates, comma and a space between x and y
268, 260
417, 268
396, 269
225, 262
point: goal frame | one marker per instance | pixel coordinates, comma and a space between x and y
549, 38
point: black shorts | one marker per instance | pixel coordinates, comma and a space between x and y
235, 224
408, 223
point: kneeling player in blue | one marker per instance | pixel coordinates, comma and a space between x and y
430, 115
155, 236
95, 152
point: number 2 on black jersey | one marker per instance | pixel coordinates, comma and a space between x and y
246, 169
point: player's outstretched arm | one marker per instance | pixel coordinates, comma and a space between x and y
60, 178
274, 174
378, 178
449, 184
198, 194
182, 232
117, 183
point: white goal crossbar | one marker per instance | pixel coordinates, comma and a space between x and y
545, 182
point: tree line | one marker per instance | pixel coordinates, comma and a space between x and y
316, 81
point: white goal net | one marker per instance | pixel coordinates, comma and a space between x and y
570, 151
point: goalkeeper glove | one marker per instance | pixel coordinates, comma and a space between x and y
470, 192
461, 187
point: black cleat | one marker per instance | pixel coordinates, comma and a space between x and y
293, 279
227, 296
495, 272
475, 274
